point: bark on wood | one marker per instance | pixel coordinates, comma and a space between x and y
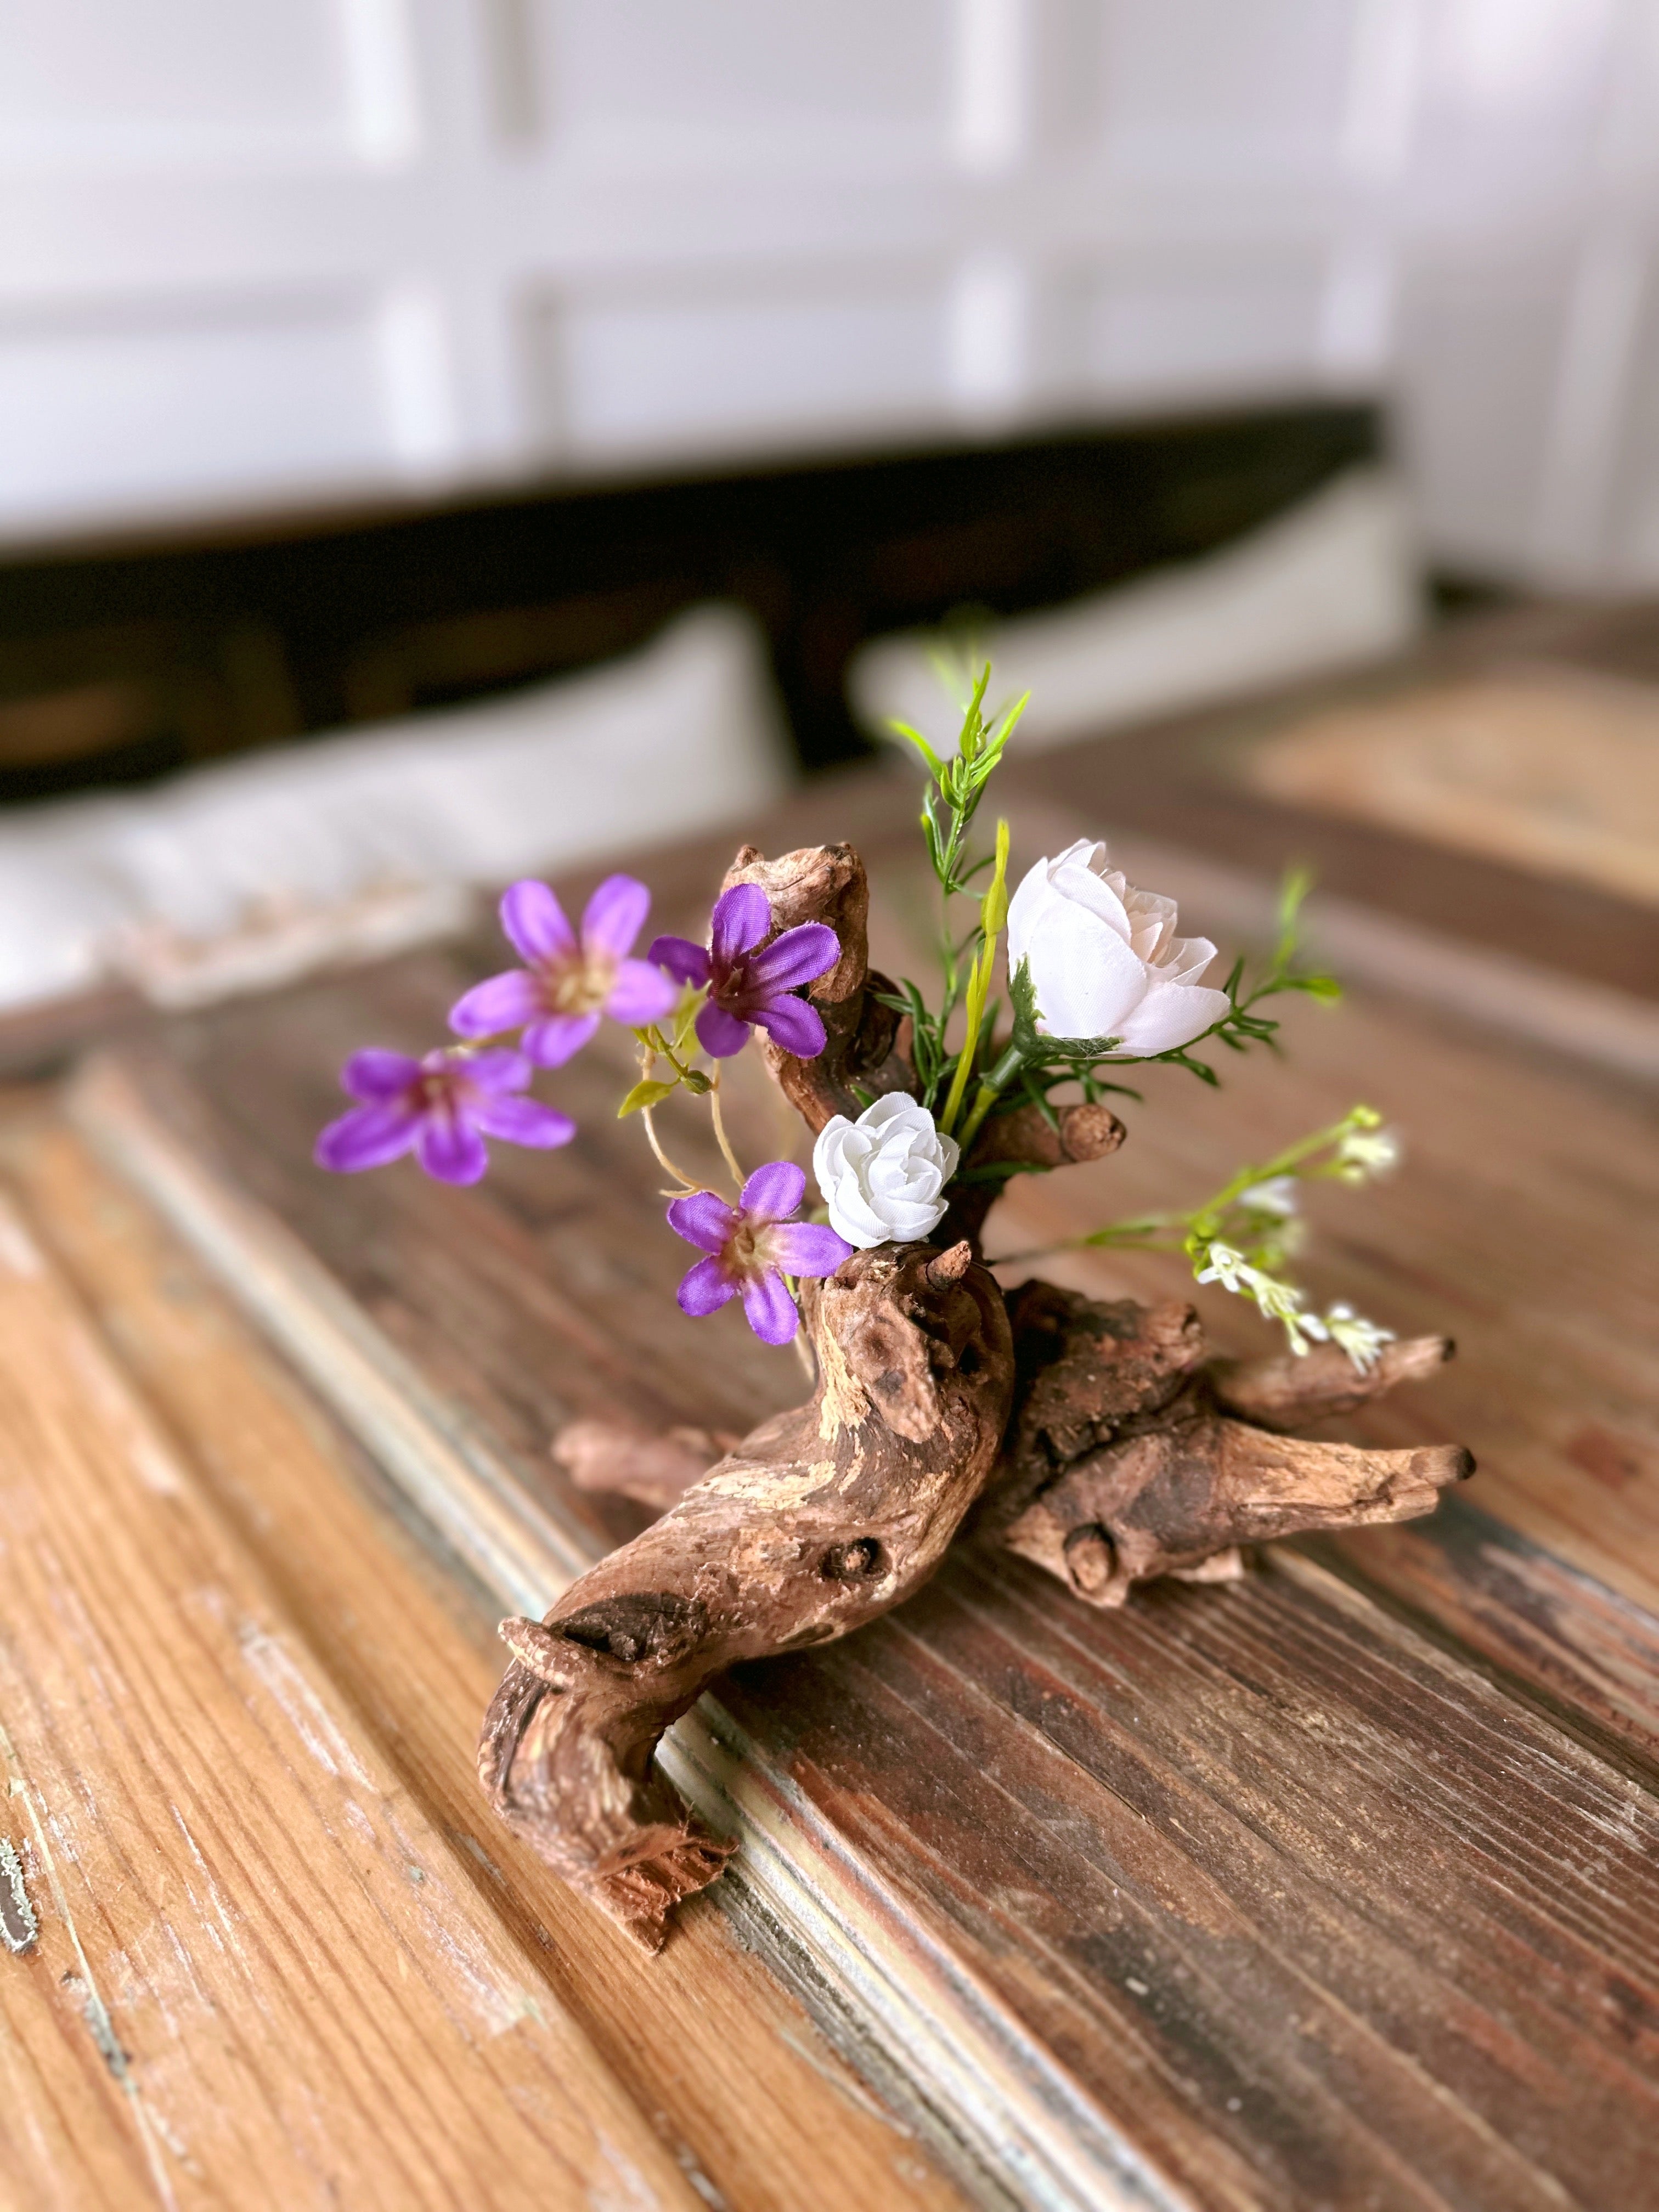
1114, 1451
652, 1470
1126, 1456
824, 1518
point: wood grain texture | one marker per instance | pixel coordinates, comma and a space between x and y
265, 1975
1263, 1869
727, 2074
1191, 782
1259, 1897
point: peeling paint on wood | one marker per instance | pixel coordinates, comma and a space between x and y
18, 1925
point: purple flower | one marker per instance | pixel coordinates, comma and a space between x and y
751, 1246
557, 996
748, 988
436, 1108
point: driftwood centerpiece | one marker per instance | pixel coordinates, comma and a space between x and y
1098, 1440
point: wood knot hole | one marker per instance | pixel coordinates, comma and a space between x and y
851, 1563
1091, 1559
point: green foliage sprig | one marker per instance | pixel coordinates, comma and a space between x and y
1242, 1234
674, 1041
1026, 1058
956, 786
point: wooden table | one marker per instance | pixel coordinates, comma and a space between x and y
1334, 1889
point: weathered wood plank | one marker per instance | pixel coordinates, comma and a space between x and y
1393, 1912
264, 1973
1264, 1835
1591, 1655
736, 2080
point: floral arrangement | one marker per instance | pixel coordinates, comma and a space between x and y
1097, 1441
1096, 977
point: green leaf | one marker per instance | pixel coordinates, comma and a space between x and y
1297, 883
644, 1094
994, 909
1021, 993
697, 1083
1001, 1171
1316, 986
1198, 1067
936, 766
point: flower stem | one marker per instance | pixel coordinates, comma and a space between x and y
991, 1085
807, 1357
663, 1160
1121, 1237
994, 913
720, 1127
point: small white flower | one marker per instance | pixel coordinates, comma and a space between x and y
1278, 1195
884, 1175
1362, 1339
1276, 1301
1361, 1153
1105, 959
1224, 1267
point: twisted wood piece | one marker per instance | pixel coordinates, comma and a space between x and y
822, 1519
1130, 1456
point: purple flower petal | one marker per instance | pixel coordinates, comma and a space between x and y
523, 1121
803, 1247
703, 1220
770, 1307
685, 962
705, 1288
367, 1137
507, 1001
741, 918
450, 1149
379, 1076
791, 1023
615, 916
535, 924
558, 1038
775, 1192
798, 957
720, 1034
502, 1069
639, 994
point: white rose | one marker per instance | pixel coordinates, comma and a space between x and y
1104, 958
884, 1175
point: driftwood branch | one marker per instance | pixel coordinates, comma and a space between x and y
1130, 1456
822, 1519
1096, 1439
652, 1470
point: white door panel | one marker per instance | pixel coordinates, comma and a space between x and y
270, 254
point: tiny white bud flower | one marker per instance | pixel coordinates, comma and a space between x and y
1224, 1267
1362, 1339
1278, 1195
884, 1175
1367, 1152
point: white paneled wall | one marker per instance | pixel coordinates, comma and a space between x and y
256, 255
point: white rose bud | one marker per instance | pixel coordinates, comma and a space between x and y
1105, 959
884, 1175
